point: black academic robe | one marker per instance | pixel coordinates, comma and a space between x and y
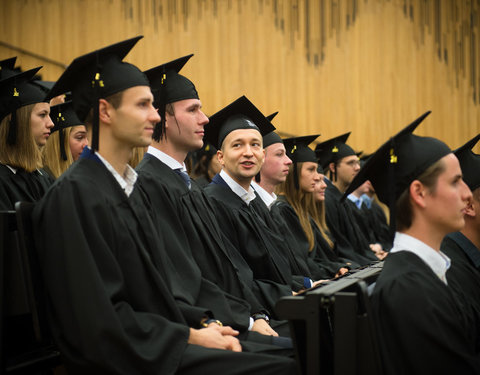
188, 216
301, 274
21, 186
351, 242
421, 326
463, 277
318, 269
380, 226
110, 302
253, 239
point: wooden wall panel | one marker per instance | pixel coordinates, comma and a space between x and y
328, 66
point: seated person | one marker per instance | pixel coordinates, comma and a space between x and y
111, 305
422, 326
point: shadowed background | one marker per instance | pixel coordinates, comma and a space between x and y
327, 66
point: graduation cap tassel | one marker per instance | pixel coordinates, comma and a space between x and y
63, 153
295, 176
12, 129
391, 192
159, 130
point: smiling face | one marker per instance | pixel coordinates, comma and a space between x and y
242, 155
40, 123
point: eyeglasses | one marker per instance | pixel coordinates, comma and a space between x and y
353, 163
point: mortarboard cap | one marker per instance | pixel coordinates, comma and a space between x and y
16, 91
169, 87
334, 149
7, 67
46, 86
272, 137
96, 75
63, 116
398, 162
240, 114
298, 151
470, 163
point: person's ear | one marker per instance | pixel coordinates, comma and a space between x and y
331, 167
104, 111
418, 193
220, 157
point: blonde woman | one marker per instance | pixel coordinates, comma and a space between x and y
67, 141
25, 126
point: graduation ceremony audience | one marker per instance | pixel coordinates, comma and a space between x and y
153, 269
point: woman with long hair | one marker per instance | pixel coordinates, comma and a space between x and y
67, 140
297, 206
25, 126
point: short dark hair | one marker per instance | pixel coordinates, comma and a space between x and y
115, 100
403, 206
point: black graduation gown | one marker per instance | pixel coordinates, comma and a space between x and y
301, 275
318, 270
188, 216
464, 278
251, 237
21, 186
110, 305
351, 243
421, 326
380, 226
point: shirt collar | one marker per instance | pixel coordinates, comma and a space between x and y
166, 159
355, 199
436, 260
367, 200
14, 170
266, 197
126, 182
246, 195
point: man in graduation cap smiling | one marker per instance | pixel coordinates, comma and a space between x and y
422, 326
111, 305
237, 131
183, 212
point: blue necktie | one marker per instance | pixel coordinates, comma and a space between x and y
185, 177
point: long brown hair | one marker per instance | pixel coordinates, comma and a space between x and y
301, 202
319, 217
51, 153
25, 153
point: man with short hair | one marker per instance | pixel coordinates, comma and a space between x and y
237, 132
342, 164
185, 215
109, 296
422, 326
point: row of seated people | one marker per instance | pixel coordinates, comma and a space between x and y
148, 272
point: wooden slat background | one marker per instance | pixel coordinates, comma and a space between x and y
328, 66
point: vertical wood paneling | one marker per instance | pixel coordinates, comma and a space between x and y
328, 66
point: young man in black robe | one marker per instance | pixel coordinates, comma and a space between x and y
236, 131
463, 247
184, 213
342, 164
422, 325
111, 305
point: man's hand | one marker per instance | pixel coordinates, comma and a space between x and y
215, 337
341, 271
261, 326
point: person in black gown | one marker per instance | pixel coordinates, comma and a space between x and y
422, 324
182, 211
24, 128
110, 299
341, 163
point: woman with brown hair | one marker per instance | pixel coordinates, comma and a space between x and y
66, 143
24, 129
297, 206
